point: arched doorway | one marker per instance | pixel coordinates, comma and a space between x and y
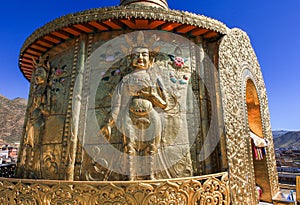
261, 176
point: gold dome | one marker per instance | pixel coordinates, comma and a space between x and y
155, 3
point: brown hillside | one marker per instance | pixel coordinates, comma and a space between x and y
290, 140
12, 114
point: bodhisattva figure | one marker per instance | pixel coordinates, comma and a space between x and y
139, 98
38, 109
149, 109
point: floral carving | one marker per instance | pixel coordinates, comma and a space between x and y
112, 194
212, 192
167, 193
182, 191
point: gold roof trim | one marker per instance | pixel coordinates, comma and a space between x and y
118, 12
114, 18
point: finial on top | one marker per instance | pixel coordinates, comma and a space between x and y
154, 3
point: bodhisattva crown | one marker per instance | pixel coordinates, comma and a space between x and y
42, 62
140, 42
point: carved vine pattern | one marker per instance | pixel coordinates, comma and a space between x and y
209, 189
236, 55
67, 160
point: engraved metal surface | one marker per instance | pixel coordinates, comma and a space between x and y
238, 63
208, 189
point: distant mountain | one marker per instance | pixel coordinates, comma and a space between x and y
290, 140
278, 133
12, 115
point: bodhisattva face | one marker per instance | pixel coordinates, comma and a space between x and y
40, 76
141, 58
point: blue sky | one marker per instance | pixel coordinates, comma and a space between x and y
272, 25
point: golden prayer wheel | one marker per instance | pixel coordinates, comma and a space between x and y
141, 104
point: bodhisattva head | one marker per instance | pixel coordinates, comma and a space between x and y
40, 76
141, 58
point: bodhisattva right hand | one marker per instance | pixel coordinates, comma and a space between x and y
106, 129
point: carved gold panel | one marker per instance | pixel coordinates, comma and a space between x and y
54, 128
237, 64
208, 189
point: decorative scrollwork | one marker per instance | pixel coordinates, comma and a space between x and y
111, 195
213, 191
236, 56
167, 193
103, 14
183, 191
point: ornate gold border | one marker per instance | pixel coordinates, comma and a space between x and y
118, 12
193, 190
237, 63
